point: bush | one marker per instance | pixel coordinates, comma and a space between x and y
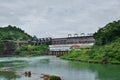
108, 53
32, 50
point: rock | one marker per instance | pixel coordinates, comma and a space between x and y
50, 77
27, 73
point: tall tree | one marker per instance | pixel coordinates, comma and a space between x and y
108, 34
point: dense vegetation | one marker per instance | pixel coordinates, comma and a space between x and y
30, 50
108, 34
106, 48
10, 36
13, 33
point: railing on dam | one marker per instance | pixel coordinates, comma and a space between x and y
66, 40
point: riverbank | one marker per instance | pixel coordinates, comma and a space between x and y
107, 54
28, 74
91, 61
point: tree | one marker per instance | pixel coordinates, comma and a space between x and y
13, 33
108, 34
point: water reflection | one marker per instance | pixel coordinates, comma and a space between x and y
102, 72
9, 75
68, 70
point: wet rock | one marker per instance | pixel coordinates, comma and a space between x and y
50, 77
27, 73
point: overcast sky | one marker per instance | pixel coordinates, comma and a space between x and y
58, 18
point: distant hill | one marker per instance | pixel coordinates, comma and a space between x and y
13, 33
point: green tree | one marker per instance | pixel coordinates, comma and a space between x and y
108, 34
13, 33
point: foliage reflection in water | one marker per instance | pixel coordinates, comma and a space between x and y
68, 70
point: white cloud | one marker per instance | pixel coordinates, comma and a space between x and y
57, 18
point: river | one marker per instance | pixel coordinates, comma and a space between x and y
67, 70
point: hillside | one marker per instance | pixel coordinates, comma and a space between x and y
13, 33
106, 49
108, 34
9, 36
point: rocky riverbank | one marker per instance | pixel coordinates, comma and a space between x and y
12, 74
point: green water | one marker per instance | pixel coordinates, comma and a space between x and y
67, 70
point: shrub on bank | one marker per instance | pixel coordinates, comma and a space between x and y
32, 50
109, 53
